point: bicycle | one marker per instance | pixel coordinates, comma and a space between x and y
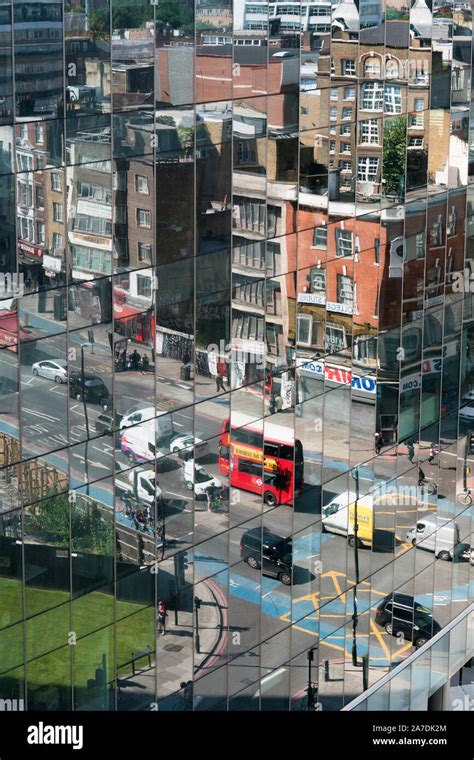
428, 485
465, 498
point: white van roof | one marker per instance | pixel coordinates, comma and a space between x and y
349, 497
436, 520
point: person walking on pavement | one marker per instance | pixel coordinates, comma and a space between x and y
432, 453
161, 615
378, 443
411, 451
135, 360
127, 503
187, 689
421, 477
219, 382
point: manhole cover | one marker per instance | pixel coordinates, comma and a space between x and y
172, 648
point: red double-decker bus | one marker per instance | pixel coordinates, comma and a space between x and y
272, 465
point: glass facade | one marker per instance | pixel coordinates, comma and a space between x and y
236, 324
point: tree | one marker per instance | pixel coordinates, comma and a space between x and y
91, 525
97, 26
178, 15
394, 155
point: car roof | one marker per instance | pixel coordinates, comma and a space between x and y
267, 535
399, 598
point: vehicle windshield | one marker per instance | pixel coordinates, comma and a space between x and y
284, 548
201, 475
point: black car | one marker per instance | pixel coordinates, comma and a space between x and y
399, 613
273, 554
95, 390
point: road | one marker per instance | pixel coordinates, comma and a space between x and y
319, 606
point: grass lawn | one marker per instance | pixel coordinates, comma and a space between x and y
48, 632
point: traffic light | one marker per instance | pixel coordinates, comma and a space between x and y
181, 564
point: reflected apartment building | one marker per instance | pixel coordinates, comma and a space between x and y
236, 336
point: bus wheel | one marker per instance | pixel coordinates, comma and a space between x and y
269, 498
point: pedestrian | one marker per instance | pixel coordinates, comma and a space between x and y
432, 453
145, 364
219, 382
149, 517
187, 688
161, 615
378, 443
127, 503
134, 516
135, 360
421, 477
209, 497
411, 451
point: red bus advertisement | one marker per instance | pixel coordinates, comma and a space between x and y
277, 470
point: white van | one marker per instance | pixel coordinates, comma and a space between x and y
338, 517
435, 534
139, 442
162, 420
196, 476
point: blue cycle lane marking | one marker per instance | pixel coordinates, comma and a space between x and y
276, 604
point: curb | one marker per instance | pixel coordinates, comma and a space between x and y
214, 654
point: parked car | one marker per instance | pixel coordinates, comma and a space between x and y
198, 478
96, 392
399, 613
269, 551
435, 534
187, 446
466, 413
52, 370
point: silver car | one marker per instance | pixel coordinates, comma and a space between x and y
52, 370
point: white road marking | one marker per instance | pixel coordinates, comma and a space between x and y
41, 414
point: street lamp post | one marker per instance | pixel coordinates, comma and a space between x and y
310, 695
355, 616
197, 607
83, 389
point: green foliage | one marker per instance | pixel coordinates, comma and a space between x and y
394, 154
91, 527
178, 15
98, 25
166, 120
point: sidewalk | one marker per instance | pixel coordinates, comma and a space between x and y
176, 660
